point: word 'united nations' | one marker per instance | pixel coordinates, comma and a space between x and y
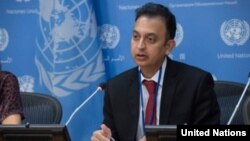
212, 132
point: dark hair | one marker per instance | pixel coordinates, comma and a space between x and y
153, 10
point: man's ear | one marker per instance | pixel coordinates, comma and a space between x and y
170, 46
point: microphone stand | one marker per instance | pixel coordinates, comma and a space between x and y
239, 102
99, 88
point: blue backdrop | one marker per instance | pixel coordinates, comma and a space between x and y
66, 48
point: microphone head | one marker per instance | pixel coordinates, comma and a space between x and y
102, 85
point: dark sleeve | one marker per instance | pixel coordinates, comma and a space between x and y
207, 107
108, 116
10, 102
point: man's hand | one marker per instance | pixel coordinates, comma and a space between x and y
143, 138
102, 135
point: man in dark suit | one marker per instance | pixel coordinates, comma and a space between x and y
182, 94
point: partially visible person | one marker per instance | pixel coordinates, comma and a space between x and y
159, 91
10, 99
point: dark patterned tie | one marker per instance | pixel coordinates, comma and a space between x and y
150, 109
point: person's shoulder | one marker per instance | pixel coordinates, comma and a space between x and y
189, 73
7, 76
186, 69
125, 76
6, 73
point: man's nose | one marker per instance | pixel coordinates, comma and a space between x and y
141, 44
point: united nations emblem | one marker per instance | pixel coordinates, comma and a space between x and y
109, 36
69, 58
234, 31
4, 39
179, 34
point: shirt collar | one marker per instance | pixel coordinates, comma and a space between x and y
156, 75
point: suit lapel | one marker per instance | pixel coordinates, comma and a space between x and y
168, 90
133, 94
133, 102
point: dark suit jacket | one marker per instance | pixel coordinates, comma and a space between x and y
187, 98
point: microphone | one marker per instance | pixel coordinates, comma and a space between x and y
101, 87
239, 102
